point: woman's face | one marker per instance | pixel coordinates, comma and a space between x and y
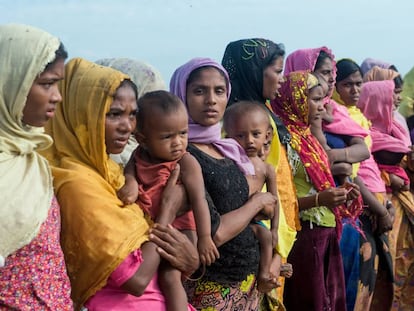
120, 120
272, 78
397, 97
325, 71
207, 97
315, 102
350, 88
44, 95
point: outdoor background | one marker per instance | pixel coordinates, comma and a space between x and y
167, 33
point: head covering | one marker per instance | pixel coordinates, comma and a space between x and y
211, 134
26, 183
368, 63
378, 74
376, 103
305, 59
245, 60
98, 232
293, 108
145, 76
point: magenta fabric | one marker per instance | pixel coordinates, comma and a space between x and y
370, 174
376, 103
396, 170
112, 297
342, 123
368, 63
34, 277
228, 147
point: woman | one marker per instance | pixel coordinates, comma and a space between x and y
318, 280
255, 68
32, 268
229, 283
146, 78
370, 265
389, 147
104, 242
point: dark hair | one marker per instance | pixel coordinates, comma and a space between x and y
164, 101
196, 73
60, 54
345, 67
131, 84
321, 58
240, 108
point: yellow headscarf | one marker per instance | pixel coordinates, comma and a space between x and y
25, 179
98, 232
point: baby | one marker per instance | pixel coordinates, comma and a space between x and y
248, 123
162, 134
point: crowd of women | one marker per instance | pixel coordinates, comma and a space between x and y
257, 183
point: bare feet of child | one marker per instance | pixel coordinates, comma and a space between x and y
266, 283
286, 270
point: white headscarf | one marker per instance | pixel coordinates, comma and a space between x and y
25, 179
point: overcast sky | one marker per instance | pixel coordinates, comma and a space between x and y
167, 33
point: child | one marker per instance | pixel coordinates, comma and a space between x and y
248, 123
162, 136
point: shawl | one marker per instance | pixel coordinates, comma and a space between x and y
26, 181
368, 63
98, 232
378, 74
145, 76
245, 60
292, 107
386, 133
342, 124
211, 134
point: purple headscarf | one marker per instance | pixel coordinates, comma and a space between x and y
209, 134
369, 63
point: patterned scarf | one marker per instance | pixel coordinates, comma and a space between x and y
292, 107
245, 61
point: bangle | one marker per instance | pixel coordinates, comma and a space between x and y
317, 199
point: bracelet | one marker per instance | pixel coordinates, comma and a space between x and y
317, 199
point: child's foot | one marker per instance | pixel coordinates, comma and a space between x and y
266, 283
286, 270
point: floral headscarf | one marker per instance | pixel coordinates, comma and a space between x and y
293, 108
245, 61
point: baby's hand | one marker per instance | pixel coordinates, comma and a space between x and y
128, 192
207, 250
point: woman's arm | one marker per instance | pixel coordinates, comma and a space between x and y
357, 151
234, 222
331, 198
171, 201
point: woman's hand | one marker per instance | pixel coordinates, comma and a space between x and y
175, 247
352, 189
173, 199
332, 197
267, 202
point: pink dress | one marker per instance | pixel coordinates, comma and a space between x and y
112, 297
34, 277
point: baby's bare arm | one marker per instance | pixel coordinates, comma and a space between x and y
271, 185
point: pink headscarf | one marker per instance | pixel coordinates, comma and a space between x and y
376, 103
342, 124
209, 134
369, 63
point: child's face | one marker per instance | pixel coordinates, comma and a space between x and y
165, 136
315, 102
250, 131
